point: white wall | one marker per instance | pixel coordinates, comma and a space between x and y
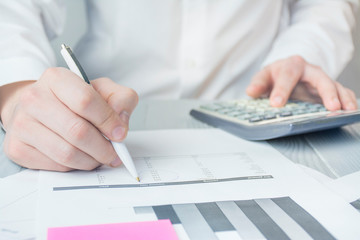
351, 74
76, 26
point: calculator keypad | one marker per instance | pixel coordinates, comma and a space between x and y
259, 110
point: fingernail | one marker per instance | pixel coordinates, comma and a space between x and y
124, 116
118, 133
278, 100
116, 162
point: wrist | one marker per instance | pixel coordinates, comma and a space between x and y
8, 95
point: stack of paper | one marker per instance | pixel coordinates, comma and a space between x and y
208, 183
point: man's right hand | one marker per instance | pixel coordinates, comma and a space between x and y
58, 122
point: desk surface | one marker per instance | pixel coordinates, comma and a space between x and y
170, 114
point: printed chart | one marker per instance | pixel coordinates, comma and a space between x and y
271, 218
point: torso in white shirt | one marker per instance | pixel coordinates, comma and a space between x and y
179, 49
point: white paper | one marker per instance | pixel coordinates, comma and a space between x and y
196, 166
18, 203
347, 186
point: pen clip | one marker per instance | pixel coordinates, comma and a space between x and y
73, 63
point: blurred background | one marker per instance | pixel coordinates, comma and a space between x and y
76, 26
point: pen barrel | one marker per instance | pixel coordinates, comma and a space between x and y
125, 157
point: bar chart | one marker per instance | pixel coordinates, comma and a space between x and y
270, 218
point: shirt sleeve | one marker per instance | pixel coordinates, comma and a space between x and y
320, 31
26, 28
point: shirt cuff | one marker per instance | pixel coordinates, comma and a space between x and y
19, 69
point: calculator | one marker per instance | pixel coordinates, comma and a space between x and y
255, 119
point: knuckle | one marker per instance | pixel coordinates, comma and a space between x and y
29, 97
297, 60
67, 155
289, 72
134, 95
19, 124
85, 99
52, 72
12, 149
78, 130
131, 96
15, 150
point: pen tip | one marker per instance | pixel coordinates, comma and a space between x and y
138, 179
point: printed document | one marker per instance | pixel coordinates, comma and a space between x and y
192, 174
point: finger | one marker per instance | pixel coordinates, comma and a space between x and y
324, 85
29, 157
122, 99
119, 97
260, 84
346, 100
70, 126
82, 98
289, 74
51, 144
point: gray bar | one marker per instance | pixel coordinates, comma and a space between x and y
261, 220
245, 228
166, 212
356, 204
143, 210
303, 218
193, 222
160, 184
215, 217
290, 227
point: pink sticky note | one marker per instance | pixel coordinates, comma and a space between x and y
151, 230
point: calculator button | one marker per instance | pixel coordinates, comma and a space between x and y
255, 119
286, 114
299, 112
269, 116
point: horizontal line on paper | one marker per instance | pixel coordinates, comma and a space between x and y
161, 184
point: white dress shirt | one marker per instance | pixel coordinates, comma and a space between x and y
179, 48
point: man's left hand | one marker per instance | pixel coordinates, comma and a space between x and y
294, 78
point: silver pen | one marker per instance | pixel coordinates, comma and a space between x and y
119, 147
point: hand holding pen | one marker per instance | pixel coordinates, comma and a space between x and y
119, 147
57, 122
